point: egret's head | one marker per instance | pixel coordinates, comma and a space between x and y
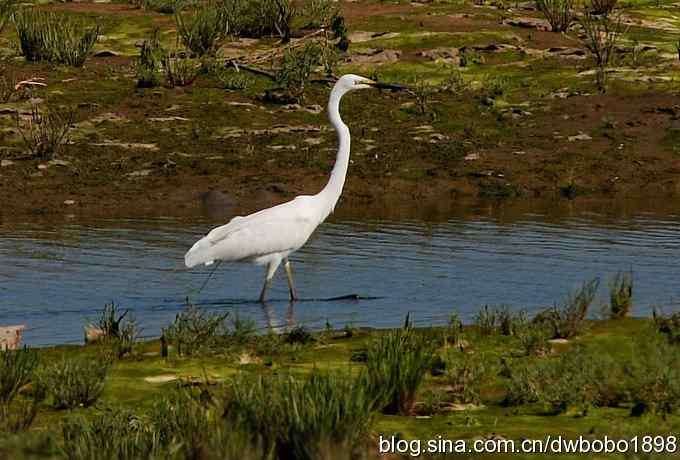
352, 82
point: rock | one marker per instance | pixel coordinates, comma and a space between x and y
127, 145
105, 53
313, 140
161, 378
140, 173
108, 116
360, 36
372, 56
58, 163
528, 23
579, 137
315, 109
166, 119
471, 157
10, 337
443, 55
558, 341
42, 166
567, 51
5, 163
93, 334
69, 202
437, 137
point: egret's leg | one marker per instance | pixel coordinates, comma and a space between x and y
291, 285
271, 269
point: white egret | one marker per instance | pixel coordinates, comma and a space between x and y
269, 236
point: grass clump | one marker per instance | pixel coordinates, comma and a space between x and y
500, 320
179, 70
16, 369
234, 80
297, 67
70, 383
149, 64
559, 13
397, 363
57, 38
303, 419
568, 320
44, 133
201, 30
621, 295
116, 330
195, 330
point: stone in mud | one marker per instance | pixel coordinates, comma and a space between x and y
105, 53
5, 163
528, 23
373, 56
140, 173
579, 137
10, 337
443, 55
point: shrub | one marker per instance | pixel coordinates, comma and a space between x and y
568, 320
466, 373
58, 38
180, 71
114, 435
303, 419
667, 325
621, 295
233, 80
299, 334
655, 376
200, 31
121, 334
6, 7
16, 369
454, 329
162, 6
242, 330
195, 330
559, 13
534, 340
397, 363
71, 383
319, 13
18, 416
565, 382
602, 6
501, 320
297, 67
601, 37
46, 131
523, 386
150, 62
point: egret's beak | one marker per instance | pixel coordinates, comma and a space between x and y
381, 85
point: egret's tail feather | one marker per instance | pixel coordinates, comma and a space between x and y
200, 253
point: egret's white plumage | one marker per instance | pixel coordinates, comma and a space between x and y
271, 235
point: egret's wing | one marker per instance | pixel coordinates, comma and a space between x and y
281, 228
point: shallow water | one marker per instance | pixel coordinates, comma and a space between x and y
53, 278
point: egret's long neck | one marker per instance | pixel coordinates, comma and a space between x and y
332, 191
